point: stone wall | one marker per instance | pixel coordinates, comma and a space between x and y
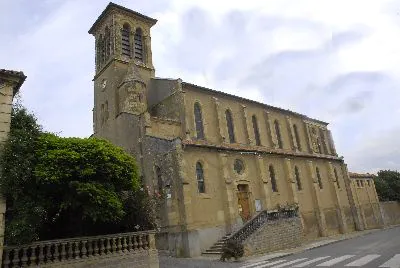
275, 235
390, 212
117, 250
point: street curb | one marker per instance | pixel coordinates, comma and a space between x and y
301, 250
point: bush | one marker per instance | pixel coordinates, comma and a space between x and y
232, 249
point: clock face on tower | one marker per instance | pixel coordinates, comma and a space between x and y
103, 83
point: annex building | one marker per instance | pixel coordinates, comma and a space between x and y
219, 158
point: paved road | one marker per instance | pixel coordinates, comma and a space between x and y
378, 249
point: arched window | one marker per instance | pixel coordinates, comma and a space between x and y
229, 123
322, 137
274, 186
106, 111
319, 146
278, 134
99, 50
198, 118
126, 40
256, 131
138, 39
200, 178
297, 176
296, 136
319, 178
159, 179
336, 178
107, 42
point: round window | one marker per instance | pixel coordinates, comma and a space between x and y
238, 166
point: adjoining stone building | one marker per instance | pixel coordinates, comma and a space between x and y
220, 158
10, 83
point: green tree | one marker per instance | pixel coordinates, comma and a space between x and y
64, 187
387, 185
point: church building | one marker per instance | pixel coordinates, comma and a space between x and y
220, 159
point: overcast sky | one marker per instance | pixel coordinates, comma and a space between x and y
333, 60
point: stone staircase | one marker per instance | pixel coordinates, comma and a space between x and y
216, 249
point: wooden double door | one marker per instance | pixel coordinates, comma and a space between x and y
244, 201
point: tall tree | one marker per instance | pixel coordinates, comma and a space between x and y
387, 185
64, 187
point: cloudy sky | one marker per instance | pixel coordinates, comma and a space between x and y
334, 60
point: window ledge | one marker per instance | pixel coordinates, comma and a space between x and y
205, 196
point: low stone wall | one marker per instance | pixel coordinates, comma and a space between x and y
275, 235
390, 212
117, 250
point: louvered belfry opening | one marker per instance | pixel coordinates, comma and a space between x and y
126, 44
138, 40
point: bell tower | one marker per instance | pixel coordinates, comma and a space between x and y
123, 65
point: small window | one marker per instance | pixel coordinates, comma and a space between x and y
159, 179
198, 118
296, 136
126, 40
319, 146
138, 39
319, 178
230, 126
362, 183
200, 178
358, 183
369, 183
278, 134
238, 166
273, 179
256, 130
336, 178
297, 176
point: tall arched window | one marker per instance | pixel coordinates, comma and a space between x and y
198, 118
99, 50
159, 179
126, 40
200, 178
319, 178
229, 124
322, 137
336, 177
278, 134
319, 146
107, 42
138, 39
297, 176
274, 186
256, 131
296, 136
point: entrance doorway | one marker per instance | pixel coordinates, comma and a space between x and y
243, 202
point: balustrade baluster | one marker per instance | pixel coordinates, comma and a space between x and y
96, 247
124, 244
48, 253
119, 244
113, 245
90, 248
140, 244
56, 252
6, 256
76, 250
130, 243
70, 250
101, 246
108, 246
84, 250
63, 252
135, 243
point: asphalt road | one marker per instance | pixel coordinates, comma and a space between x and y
377, 249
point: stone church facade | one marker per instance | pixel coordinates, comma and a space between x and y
219, 158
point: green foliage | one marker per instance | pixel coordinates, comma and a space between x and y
387, 185
64, 187
232, 249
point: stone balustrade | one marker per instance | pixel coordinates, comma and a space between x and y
52, 253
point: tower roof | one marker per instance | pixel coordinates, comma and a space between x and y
111, 6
